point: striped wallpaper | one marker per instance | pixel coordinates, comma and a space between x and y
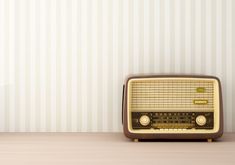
63, 62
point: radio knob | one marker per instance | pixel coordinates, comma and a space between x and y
144, 120
201, 120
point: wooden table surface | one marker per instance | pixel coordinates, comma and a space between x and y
110, 148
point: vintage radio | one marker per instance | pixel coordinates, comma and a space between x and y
172, 107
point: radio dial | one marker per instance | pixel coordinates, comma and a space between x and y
144, 120
201, 120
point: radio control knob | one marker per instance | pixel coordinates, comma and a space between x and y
201, 120
144, 120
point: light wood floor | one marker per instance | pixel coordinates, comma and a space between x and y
109, 148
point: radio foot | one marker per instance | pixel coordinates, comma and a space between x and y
136, 140
209, 140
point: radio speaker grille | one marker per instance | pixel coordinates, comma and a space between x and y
172, 94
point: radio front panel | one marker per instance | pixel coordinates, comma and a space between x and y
173, 105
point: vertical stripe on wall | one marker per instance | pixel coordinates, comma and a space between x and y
12, 60
2, 66
188, 38
228, 69
63, 62
233, 66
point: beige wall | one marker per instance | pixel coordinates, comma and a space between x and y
63, 62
